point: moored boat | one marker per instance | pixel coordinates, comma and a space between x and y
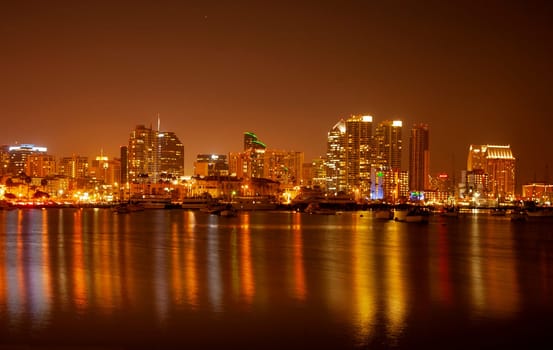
450, 212
228, 211
384, 214
412, 214
152, 201
196, 203
254, 203
124, 208
539, 213
316, 208
213, 208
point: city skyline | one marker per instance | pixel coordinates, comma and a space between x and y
377, 154
78, 73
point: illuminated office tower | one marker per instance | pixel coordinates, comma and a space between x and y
419, 158
239, 164
142, 153
40, 165
124, 155
314, 173
74, 167
498, 163
18, 157
336, 158
358, 152
389, 184
284, 167
211, 165
104, 170
256, 150
154, 154
170, 157
388, 144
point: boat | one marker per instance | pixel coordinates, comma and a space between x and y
152, 201
450, 211
228, 211
124, 208
254, 203
539, 213
316, 208
412, 214
400, 213
195, 203
518, 215
213, 208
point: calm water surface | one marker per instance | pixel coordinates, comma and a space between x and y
73, 278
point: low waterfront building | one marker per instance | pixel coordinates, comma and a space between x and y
539, 192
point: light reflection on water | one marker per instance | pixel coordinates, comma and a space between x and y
363, 281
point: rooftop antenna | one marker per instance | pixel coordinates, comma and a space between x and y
158, 122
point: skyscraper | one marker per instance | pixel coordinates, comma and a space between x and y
284, 167
388, 144
124, 154
211, 165
74, 167
19, 155
256, 150
153, 153
170, 158
141, 153
336, 157
358, 152
498, 163
419, 158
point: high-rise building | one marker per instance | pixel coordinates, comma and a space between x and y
350, 155
211, 165
336, 157
40, 165
358, 152
498, 163
314, 173
419, 158
239, 164
74, 167
19, 155
170, 159
124, 154
284, 167
142, 153
152, 154
389, 184
256, 150
388, 144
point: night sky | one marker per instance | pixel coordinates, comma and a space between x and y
77, 76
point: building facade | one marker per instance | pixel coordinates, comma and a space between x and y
153, 155
74, 167
358, 152
388, 144
419, 158
498, 164
170, 154
18, 158
336, 158
255, 150
211, 165
284, 167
